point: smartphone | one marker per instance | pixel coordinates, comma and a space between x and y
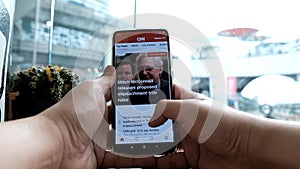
143, 67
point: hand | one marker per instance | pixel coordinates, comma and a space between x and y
81, 117
227, 146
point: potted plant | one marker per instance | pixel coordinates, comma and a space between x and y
39, 87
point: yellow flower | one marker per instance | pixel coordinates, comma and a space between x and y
48, 73
57, 68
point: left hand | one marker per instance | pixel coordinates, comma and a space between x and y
81, 119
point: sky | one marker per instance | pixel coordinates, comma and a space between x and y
272, 18
276, 19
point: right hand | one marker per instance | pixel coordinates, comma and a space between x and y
227, 146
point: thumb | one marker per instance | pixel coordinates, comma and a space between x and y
164, 110
182, 111
106, 80
189, 115
108, 76
108, 71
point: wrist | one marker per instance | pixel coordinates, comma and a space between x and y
275, 144
32, 142
257, 138
75, 143
50, 147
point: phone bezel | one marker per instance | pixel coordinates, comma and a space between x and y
142, 148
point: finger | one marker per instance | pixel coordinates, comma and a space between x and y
117, 161
106, 81
164, 110
191, 150
181, 93
169, 109
189, 115
108, 71
109, 114
108, 111
100, 153
182, 111
174, 160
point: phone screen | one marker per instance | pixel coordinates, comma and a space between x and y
142, 61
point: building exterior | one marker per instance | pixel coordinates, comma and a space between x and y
79, 38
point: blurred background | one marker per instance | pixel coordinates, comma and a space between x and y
257, 43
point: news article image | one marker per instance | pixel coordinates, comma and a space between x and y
142, 79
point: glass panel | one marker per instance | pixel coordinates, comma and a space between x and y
73, 34
248, 40
31, 34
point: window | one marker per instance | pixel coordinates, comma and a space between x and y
248, 41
